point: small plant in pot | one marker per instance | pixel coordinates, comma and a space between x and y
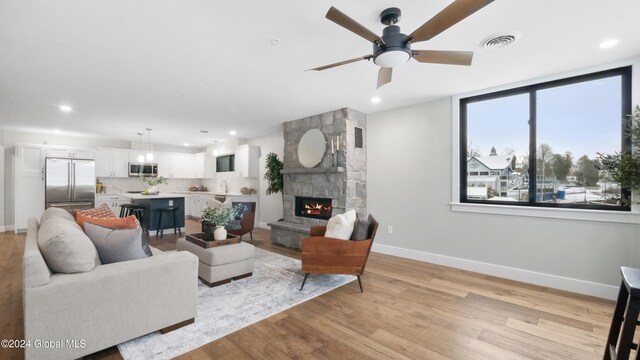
214, 221
152, 183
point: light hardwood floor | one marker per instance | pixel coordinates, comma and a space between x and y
409, 310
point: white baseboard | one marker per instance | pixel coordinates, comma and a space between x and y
264, 225
532, 277
7, 228
3, 228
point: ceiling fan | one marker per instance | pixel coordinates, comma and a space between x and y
393, 48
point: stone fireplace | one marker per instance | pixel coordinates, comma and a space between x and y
331, 187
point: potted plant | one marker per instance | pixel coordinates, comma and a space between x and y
153, 183
624, 168
275, 180
218, 218
273, 165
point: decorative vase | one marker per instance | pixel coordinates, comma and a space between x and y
153, 189
220, 233
207, 231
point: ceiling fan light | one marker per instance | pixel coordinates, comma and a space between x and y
392, 58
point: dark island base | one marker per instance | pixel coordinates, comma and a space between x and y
152, 212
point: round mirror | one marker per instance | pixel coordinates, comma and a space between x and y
311, 148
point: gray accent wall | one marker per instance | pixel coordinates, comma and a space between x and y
410, 186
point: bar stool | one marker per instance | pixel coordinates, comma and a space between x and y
628, 302
125, 210
161, 213
138, 211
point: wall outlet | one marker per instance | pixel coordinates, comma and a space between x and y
389, 229
170, 202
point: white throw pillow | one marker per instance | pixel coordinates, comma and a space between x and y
338, 228
351, 218
213, 203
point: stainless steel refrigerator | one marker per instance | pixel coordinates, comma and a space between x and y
70, 183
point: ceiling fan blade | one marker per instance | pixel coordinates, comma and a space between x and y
348, 23
320, 68
443, 57
446, 18
384, 76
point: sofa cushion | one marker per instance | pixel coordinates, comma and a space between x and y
129, 222
102, 211
55, 213
360, 229
65, 248
115, 245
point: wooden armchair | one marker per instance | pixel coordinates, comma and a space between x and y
322, 255
248, 218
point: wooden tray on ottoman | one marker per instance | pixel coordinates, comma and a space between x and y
197, 239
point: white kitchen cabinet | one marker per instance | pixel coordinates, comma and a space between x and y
178, 166
183, 166
70, 152
246, 161
187, 205
198, 165
138, 156
29, 183
197, 203
113, 201
112, 163
209, 167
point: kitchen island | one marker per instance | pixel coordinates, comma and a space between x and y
152, 205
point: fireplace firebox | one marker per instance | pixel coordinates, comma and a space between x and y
311, 207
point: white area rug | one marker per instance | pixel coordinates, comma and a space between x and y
230, 307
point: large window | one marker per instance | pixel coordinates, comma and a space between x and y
538, 145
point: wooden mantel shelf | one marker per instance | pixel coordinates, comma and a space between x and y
323, 170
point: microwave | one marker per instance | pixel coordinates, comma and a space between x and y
143, 169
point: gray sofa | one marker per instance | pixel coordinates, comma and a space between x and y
67, 316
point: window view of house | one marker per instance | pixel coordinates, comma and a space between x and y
539, 145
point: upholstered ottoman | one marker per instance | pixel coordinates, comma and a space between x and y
218, 265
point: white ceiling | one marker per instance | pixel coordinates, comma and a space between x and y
183, 66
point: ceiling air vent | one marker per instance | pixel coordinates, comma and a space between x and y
500, 40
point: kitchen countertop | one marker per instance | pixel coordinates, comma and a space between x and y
164, 195
151, 197
212, 193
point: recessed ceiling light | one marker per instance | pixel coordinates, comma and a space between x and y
65, 108
375, 99
186, 144
608, 43
232, 132
57, 131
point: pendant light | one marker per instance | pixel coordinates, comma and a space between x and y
149, 154
140, 157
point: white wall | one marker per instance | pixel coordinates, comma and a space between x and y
270, 205
410, 187
2, 187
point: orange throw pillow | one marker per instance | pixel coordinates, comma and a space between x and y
102, 211
129, 222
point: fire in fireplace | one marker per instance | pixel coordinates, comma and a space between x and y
315, 208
